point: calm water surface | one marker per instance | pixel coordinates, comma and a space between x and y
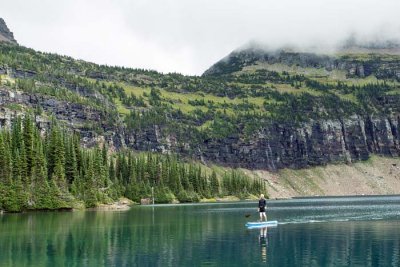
363, 231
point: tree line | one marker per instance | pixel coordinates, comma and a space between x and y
51, 170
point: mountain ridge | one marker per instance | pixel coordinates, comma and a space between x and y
5, 34
320, 58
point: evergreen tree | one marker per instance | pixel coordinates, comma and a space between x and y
40, 197
29, 144
78, 153
71, 168
5, 159
16, 136
56, 158
24, 165
90, 194
214, 183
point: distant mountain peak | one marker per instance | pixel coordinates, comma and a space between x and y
5, 34
254, 53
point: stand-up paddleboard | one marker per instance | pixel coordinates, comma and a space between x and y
261, 224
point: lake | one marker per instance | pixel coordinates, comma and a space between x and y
343, 231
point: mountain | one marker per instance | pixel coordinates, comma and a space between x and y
355, 59
255, 109
74, 132
5, 34
339, 106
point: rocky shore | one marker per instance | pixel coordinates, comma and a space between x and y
376, 176
120, 205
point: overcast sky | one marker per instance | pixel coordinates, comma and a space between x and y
188, 36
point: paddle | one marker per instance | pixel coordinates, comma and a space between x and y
247, 215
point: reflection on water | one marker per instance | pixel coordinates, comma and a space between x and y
324, 232
263, 243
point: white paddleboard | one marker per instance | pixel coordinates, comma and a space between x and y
261, 224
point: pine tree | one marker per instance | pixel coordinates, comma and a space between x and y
16, 136
21, 195
29, 144
25, 179
90, 194
111, 173
5, 159
40, 198
78, 153
105, 165
56, 158
16, 165
214, 183
71, 168
184, 178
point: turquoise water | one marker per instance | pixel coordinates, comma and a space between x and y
363, 231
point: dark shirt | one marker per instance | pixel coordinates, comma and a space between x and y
262, 204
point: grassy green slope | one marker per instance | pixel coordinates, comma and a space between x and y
236, 102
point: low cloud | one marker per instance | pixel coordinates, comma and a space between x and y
188, 36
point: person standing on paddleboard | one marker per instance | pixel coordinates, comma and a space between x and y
262, 205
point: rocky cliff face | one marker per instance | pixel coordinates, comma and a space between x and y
280, 146
5, 34
275, 146
76, 117
320, 142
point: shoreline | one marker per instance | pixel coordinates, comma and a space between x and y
126, 205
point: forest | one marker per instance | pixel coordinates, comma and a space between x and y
51, 170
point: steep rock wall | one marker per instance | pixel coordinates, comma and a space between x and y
315, 143
275, 146
284, 145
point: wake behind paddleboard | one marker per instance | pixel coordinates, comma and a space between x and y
261, 224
